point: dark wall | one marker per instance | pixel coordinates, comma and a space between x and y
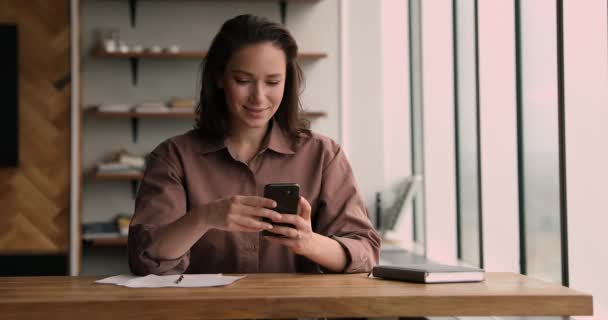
33, 265
9, 104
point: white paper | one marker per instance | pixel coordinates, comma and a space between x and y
154, 281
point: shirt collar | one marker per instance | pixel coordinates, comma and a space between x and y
276, 141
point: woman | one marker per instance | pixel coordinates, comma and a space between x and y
199, 208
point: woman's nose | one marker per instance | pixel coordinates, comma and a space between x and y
258, 93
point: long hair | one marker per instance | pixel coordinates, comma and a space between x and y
212, 115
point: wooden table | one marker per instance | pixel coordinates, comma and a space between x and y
288, 296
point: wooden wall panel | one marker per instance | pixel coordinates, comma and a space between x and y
34, 197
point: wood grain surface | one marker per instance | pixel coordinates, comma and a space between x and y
288, 296
35, 195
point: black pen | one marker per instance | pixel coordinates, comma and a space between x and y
181, 277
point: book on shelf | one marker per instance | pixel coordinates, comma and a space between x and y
133, 161
116, 168
123, 162
429, 273
99, 230
114, 108
117, 227
151, 107
181, 104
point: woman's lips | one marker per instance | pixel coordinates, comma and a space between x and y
256, 112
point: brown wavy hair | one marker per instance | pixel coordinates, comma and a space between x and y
212, 115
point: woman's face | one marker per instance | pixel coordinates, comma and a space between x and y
254, 82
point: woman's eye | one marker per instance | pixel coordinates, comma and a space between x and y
273, 83
242, 81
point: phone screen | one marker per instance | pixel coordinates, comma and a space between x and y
287, 197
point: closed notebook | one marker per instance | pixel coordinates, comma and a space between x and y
429, 273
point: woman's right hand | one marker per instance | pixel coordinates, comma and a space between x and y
239, 213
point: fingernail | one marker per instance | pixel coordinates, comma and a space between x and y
268, 226
278, 217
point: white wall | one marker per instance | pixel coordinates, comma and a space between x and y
438, 130
376, 112
586, 113
364, 112
396, 107
498, 135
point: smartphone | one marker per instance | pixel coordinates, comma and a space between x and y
287, 197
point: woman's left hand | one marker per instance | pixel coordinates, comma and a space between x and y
300, 238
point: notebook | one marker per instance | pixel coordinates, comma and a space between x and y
429, 273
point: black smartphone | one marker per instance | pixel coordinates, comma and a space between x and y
287, 197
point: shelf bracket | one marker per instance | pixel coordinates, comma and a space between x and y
134, 68
283, 9
134, 128
134, 187
132, 11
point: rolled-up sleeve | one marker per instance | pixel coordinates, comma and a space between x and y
161, 200
342, 216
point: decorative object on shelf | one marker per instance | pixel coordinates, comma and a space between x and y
172, 49
114, 108
137, 48
151, 107
122, 222
123, 47
108, 39
154, 49
112, 232
181, 104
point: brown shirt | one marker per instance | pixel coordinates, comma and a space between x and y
188, 171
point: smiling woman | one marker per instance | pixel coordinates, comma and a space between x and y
199, 208
253, 83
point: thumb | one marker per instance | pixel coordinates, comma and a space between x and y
304, 209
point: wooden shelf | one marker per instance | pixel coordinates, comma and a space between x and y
120, 241
132, 114
135, 116
135, 56
100, 53
311, 115
118, 176
174, 114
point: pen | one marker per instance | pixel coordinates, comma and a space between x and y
181, 277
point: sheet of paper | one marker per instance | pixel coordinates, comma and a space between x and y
154, 281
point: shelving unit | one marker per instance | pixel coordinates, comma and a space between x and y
282, 8
94, 112
100, 53
135, 116
135, 56
106, 254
